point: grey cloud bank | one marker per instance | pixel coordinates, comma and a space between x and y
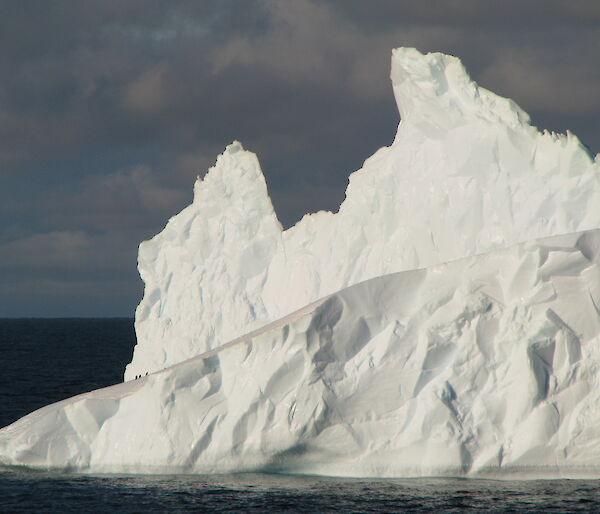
108, 111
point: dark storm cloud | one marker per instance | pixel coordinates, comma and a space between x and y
109, 109
89, 73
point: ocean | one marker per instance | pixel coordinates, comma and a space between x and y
46, 360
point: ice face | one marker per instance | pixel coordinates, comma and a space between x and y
489, 365
466, 173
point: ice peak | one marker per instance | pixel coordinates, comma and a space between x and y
435, 89
237, 172
234, 147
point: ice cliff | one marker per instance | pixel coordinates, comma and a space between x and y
445, 321
466, 173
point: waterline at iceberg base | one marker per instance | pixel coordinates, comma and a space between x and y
446, 321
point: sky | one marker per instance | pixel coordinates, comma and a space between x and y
110, 109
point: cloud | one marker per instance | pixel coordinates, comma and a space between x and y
146, 94
552, 82
45, 250
469, 15
124, 200
68, 273
309, 43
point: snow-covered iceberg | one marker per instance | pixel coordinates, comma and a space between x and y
445, 321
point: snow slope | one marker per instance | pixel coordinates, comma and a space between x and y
486, 365
465, 174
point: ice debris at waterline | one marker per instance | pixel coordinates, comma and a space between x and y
445, 321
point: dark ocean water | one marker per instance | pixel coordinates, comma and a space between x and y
42, 361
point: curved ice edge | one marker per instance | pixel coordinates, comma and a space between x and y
122, 390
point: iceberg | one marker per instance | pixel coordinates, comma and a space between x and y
446, 321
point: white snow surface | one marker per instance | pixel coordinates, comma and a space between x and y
465, 174
489, 365
446, 321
